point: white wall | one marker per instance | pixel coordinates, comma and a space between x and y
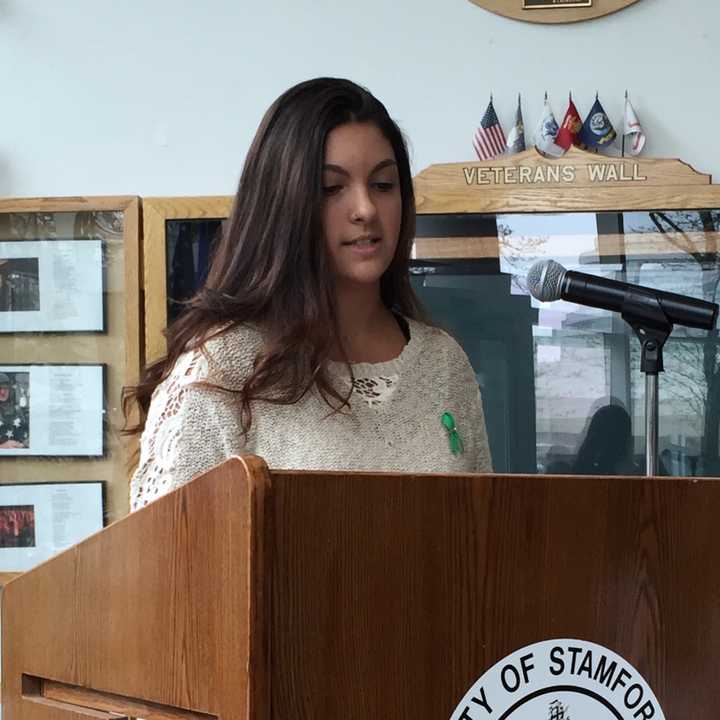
162, 97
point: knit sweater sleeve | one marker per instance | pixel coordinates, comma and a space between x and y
465, 382
191, 426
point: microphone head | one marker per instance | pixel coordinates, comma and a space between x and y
544, 280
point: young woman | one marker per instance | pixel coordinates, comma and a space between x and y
305, 345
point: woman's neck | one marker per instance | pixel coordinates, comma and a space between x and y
368, 330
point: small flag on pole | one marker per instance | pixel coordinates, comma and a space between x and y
489, 138
633, 129
516, 136
570, 127
597, 130
547, 131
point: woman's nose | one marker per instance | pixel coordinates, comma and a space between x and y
363, 208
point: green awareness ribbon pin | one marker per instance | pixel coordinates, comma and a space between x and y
456, 443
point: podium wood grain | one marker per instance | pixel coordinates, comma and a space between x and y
290, 596
164, 606
392, 595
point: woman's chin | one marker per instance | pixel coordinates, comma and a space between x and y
365, 277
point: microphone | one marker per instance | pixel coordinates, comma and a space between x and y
547, 280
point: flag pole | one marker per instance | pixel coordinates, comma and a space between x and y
623, 137
597, 97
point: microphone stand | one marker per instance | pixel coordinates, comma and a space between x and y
642, 311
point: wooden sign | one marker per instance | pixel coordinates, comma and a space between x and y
553, 11
578, 180
530, 170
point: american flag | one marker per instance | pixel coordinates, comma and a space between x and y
489, 138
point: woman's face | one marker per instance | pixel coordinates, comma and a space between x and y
362, 209
4, 393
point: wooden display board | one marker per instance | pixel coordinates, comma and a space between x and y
578, 181
527, 182
117, 346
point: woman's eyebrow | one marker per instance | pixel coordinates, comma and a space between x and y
335, 168
385, 163
342, 171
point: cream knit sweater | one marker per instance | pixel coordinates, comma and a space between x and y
393, 423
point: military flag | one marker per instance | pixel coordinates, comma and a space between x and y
516, 136
570, 127
547, 131
632, 129
597, 130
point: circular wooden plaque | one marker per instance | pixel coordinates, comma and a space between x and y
560, 12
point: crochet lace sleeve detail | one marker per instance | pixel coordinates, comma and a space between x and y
190, 428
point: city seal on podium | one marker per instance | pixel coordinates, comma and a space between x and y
560, 680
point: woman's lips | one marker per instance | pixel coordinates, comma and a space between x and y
363, 246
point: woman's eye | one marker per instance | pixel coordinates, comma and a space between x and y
331, 189
384, 186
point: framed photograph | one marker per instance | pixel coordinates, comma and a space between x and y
39, 520
51, 286
51, 410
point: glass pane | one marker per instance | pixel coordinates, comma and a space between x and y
561, 382
189, 246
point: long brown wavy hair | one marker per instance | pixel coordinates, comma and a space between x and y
271, 269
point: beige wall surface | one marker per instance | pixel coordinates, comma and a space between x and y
163, 99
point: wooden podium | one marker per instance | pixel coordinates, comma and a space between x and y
257, 594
